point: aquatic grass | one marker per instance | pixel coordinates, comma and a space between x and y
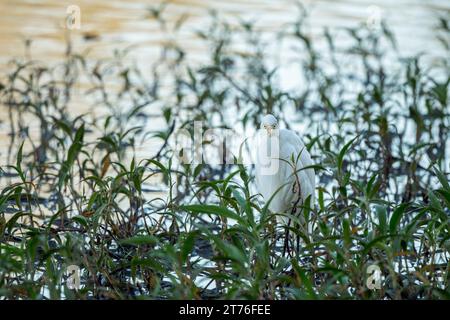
75, 193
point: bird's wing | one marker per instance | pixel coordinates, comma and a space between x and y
292, 145
282, 181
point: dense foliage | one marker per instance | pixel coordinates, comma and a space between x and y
377, 127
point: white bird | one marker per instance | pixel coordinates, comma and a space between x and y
279, 171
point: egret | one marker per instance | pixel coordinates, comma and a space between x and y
282, 176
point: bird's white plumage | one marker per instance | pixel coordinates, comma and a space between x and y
281, 184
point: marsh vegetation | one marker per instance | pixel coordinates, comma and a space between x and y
376, 125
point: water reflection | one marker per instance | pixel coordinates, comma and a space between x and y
110, 24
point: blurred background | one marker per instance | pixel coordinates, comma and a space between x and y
37, 30
106, 25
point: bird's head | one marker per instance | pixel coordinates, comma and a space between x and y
270, 123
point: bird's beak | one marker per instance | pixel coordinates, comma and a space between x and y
269, 131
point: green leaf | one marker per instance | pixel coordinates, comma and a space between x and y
19, 163
230, 251
301, 274
140, 240
382, 217
188, 245
434, 201
212, 209
342, 153
396, 216
442, 178
71, 155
